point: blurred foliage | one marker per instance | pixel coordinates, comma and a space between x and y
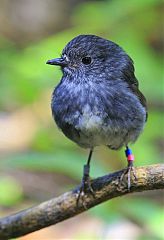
57, 162
10, 191
25, 78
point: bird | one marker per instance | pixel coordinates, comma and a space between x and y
97, 101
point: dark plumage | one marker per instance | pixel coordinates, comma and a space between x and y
97, 101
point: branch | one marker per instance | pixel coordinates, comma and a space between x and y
64, 206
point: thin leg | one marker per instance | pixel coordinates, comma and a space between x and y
85, 184
89, 157
130, 168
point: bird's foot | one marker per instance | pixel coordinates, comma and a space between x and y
85, 187
130, 169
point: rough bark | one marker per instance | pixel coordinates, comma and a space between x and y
64, 206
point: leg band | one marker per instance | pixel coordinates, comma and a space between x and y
129, 155
86, 170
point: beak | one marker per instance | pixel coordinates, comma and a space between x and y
58, 61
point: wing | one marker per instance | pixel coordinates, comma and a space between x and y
134, 86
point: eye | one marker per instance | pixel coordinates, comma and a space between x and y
86, 60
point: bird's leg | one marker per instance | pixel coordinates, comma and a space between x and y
85, 184
130, 168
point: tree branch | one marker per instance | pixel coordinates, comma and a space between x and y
64, 206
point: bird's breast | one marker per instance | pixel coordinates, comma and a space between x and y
94, 115
90, 119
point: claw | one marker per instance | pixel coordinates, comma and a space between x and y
84, 189
128, 171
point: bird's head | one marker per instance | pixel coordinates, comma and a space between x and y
90, 55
